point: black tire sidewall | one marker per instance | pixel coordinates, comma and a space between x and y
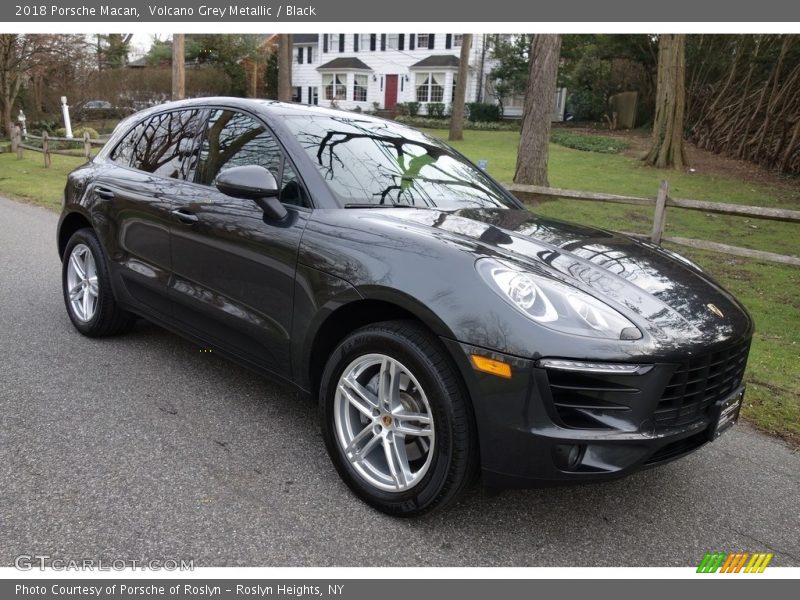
105, 299
381, 340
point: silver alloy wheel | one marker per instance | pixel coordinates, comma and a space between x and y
384, 424
82, 287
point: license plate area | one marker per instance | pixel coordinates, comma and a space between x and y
725, 413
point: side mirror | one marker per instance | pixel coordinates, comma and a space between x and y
253, 182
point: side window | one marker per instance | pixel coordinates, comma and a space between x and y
167, 144
292, 191
232, 140
123, 153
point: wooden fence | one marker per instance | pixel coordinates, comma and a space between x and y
663, 200
19, 145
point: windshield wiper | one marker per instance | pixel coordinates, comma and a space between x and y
384, 205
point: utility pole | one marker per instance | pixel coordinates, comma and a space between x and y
178, 67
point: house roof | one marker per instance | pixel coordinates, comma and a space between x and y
344, 62
305, 38
437, 60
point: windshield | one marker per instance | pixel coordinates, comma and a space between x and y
368, 162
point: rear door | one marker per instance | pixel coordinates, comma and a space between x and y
134, 188
233, 269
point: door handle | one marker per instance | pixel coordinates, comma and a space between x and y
184, 216
104, 193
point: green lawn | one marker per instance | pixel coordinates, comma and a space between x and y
27, 179
770, 291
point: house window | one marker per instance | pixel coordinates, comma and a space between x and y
393, 41
360, 88
335, 85
313, 95
422, 40
430, 87
457, 37
363, 42
297, 94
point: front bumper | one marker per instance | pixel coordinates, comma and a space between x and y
543, 427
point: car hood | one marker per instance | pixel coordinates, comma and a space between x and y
669, 297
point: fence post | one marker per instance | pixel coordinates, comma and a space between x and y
87, 146
46, 149
17, 141
660, 215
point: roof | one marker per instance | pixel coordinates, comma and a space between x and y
437, 60
346, 63
305, 38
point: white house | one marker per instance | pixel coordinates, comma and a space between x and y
380, 70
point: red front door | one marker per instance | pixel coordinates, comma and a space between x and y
391, 92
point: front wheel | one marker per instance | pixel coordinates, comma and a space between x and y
395, 419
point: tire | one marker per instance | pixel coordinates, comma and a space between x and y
88, 297
423, 423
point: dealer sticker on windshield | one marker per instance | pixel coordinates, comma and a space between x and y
726, 413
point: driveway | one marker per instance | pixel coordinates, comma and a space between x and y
144, 447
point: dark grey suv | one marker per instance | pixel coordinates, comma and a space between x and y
446, 331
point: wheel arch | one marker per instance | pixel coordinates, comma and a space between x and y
70, 223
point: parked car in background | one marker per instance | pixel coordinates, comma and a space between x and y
95, 110
446, 331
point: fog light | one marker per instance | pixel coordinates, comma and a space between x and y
567, 456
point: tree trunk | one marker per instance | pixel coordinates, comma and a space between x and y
667, 149
285, 67
457, 112
538, 111
178, 67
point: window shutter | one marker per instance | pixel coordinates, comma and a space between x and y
341, 42
431, 38
448, 41
383, 41
300, 56
411, 39
325, 42
372, 41
355, 42
401, 41
308, 55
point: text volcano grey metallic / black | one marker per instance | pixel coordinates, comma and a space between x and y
446, 331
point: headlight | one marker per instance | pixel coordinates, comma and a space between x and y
555, 304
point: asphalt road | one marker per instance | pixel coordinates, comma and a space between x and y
142, 447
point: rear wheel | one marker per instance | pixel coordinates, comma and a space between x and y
87, 288
395, 420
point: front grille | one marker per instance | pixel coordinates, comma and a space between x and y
700, 382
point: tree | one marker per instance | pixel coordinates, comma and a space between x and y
285, 67
667, 149
112, 50
178, 67
510, 76
15, 61
271, 76
534, 140
457, 113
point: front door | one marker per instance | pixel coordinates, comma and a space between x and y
233, 269
391, 92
